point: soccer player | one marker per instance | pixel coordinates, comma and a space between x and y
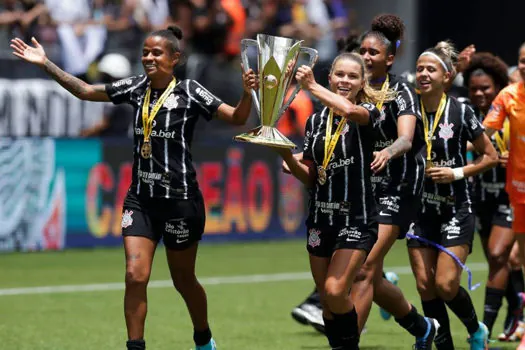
485, 76
342, 219
510, 104
164, 200
446, 219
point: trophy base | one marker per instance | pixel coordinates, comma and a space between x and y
266, 136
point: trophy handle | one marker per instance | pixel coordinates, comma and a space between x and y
245, 43
312, 60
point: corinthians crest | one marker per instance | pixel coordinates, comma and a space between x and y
171, 102
445, 130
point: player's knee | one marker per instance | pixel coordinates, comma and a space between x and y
136, 276
335, 294
426, 288
183, 280
447, 288
497, 260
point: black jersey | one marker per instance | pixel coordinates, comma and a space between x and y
347, 193
169, 173
405, 173
458, 124
490, 185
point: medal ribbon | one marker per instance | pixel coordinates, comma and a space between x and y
502, 142
426, 126
147, 118
331, 140
384, 88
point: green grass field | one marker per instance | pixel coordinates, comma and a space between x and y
245, 312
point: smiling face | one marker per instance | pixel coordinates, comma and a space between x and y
157, 59
374, 53
482, 91
346, 78
431, 76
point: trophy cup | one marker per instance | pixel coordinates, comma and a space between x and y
277, 64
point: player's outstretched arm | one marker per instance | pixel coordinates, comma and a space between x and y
36, 55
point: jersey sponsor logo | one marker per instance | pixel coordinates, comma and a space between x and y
206, 96
474, 124
445, 130
171, 102
148, 177
391, 203
157, 133
122, 82
436, 199
341, 162
313, 238
383, 144
127, 220
445, 163
451, 229
368, 106
352, 234
178, 228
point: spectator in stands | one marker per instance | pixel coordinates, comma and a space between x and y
116, 120
81, 33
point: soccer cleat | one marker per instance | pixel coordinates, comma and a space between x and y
512, 321
516, 336
309, 314
210, 346
425, 342
480, 339
393, 278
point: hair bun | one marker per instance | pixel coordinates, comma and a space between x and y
391, 26
176, 31
447, 48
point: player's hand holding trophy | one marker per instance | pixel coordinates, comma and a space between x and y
277, 60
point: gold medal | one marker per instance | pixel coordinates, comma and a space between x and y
145, 150
429, 164
505, 154
321, 175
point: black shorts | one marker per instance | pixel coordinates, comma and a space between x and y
491, 213
400, 210
446, 228
179, 222
323, 241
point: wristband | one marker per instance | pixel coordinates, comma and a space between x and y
458, 173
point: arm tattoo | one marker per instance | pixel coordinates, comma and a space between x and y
72, 84
399, 147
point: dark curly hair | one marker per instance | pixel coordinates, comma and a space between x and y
389, 29
485, 63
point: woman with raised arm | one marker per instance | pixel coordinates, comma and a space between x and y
441, 237
164, 200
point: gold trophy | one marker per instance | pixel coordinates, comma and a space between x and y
277, 64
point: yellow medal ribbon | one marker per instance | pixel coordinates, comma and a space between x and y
426, 126
147, 117
503, 142
331, 140
384, 88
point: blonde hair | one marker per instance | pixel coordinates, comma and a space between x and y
448, 54
367, 93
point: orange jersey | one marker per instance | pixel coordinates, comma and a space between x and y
510, 103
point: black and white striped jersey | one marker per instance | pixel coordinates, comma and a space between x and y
490, 185
169, 173
347, 193
404, 174
458, 124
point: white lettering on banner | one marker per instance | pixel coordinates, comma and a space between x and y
39, 107
519, 185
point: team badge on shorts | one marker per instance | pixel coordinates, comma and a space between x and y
445, 130
313, 238
127, 220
